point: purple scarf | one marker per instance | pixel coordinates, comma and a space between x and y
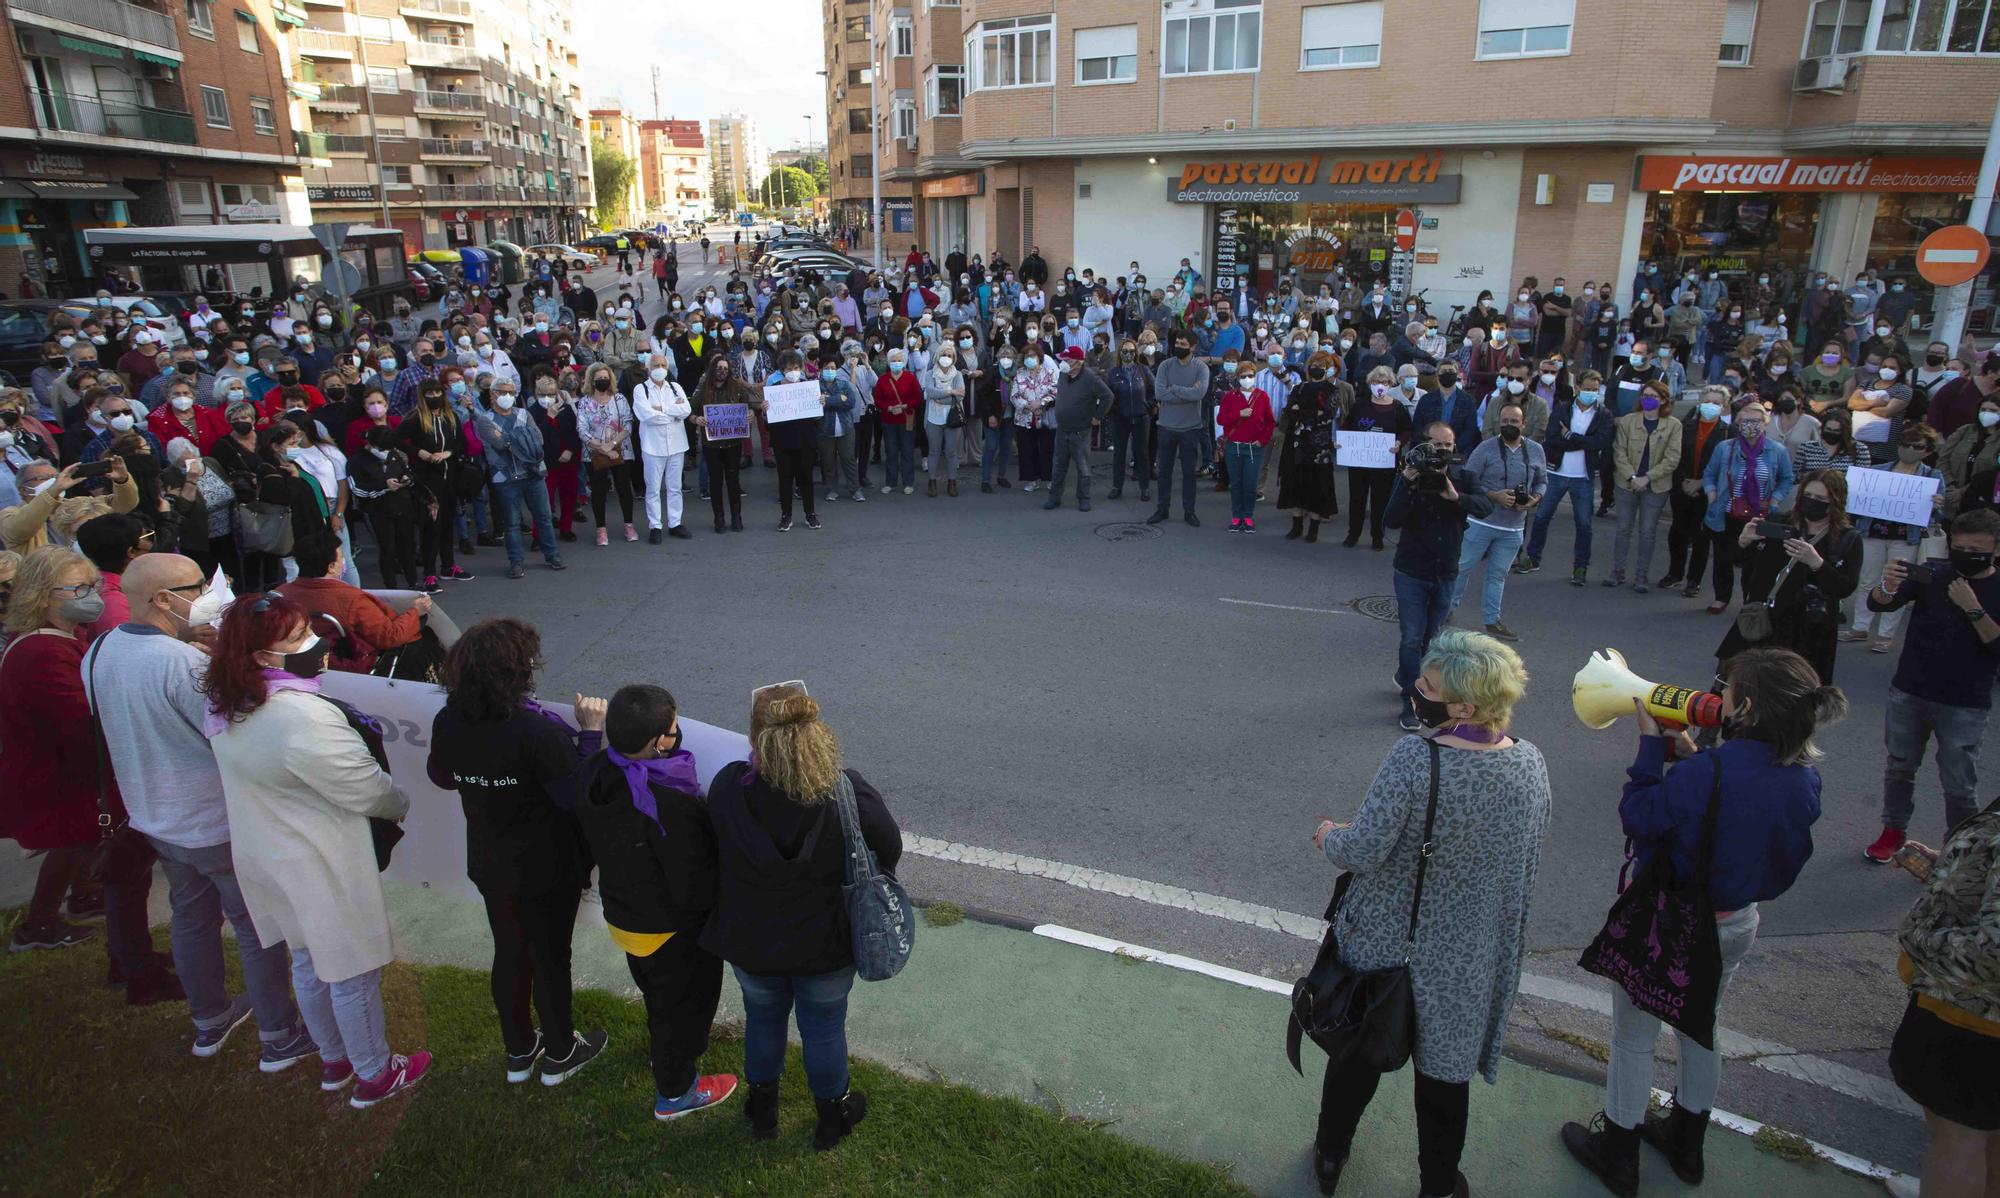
1749, 488
675, 771
551, 716
213, 722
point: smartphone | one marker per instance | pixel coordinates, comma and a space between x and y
1774, 530
92, 469
1919, 572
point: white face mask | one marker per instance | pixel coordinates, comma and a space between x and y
181, 403
793, 376
209, 606
658, 374
503, 401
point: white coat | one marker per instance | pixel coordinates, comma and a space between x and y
662, 410
299, 785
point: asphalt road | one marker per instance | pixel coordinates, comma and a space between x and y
1079, 688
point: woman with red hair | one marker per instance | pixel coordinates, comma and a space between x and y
301, 784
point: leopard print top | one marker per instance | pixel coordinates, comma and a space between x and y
1952, 933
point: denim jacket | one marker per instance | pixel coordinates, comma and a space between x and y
513, 445
1727, 466
837, 394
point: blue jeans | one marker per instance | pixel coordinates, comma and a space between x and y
1908, 725
202, 889
1184, 444
996, 451
344, 1017
1581, 497
1497, 547
535, 494
899, 456
472, 516
1245, 460
822, 1016
1421, 609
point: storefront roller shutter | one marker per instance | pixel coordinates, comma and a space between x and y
1342, 25
1117, 41
1525, 14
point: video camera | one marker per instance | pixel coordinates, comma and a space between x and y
1431, 464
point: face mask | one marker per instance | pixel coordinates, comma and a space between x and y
1510, 433
1709, 411
181, 403
1586, 399
83, 609
241, 357
1888, 374
1910, 454
1346, 343
1988, 419
1431, 713
1786, 405
600, 384
307, 660
1752, 430
1963, 563
122, 423
1246, 382
241, 428
458, 389
1637, 359
1833, 432
1516, 386
1409, 384
1447, 380
503, 400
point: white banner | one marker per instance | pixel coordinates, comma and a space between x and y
1367, 450
791, 401
432, 851
1887, 495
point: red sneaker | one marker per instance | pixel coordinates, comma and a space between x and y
334, 1075
1885, 846
403, 1073
706, 1092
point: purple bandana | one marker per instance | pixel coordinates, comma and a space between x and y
675, 771
549, 714
214, 721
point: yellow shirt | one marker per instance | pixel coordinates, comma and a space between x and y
638, 944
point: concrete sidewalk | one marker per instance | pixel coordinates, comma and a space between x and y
1169, 1058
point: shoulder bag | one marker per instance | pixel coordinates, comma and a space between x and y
123, 853
1659, 943
264, 527
878, 909
384, 833
1367, 1018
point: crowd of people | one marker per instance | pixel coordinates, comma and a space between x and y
142, 470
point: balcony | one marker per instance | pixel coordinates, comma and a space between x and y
325, 43
437, 10
322, 145
453, 148
441, 56
60, 113
459, 193
339, 97
468, 105
125, 24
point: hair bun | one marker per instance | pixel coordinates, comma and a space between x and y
792, 709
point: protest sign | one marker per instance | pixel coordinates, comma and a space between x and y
1366, 450
792, 401
726, 421
1887, 495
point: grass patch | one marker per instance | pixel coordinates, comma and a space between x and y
943, 915
98, 1098
1784, 1144
1583, 1044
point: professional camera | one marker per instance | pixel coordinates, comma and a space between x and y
1431, 464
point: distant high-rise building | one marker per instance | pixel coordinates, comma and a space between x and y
860, 98
737, 159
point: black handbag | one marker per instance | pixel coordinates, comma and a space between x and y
384, 833
1659, 944
123, 854
1368, 1019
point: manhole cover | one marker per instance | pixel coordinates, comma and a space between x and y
1139, 532
1377, 607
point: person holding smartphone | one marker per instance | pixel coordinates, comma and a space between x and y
1804, 568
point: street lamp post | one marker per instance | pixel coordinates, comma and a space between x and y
874, 151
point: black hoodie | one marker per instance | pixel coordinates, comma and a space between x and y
654, 877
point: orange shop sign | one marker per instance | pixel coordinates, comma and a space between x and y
1677, 172
1414, 178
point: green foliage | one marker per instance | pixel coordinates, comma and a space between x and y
612, 170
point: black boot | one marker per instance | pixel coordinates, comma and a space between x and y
1608, 1150
838, 1116
1298, 528
1312, 532
1679, 1137
1326, 1169
762, 1110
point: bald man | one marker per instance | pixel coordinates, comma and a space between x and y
141, 679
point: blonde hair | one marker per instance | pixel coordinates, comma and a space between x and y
70, 515
34, 594
1477, 669
796, 751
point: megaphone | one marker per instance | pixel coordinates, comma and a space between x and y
1604, 689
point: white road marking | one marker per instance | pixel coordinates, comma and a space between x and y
1318, 611
1764, 1054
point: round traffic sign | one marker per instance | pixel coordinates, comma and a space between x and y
1954, 254
1406, 230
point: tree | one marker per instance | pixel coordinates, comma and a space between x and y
613, 171
798, 187
816, 167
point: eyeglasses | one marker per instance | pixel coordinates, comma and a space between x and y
79, 589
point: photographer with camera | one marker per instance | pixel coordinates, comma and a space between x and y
1429, 503
1796, 574
1944, 679
1509, 470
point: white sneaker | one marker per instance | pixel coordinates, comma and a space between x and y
886, 490
909, 490
1029, 487
860, 496
832, 495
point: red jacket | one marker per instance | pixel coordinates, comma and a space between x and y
1254, 429
48, 799
357, 433
117, 608
369, 622
210, 426
272, 405
893, 388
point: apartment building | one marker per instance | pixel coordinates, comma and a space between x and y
458, 122
1265, 138
674, 170
737, 159
858, 104
620, 129
115, 113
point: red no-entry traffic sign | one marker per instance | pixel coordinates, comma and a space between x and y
1406, 230
1954, 254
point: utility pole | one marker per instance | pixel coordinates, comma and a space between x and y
656, 93
874, 150
374, 130
1953, 303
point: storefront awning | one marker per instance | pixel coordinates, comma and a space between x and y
10, 190
86, 46
149, 56
71, 189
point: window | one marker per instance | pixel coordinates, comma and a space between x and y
1206, 37
1107, 55
378, 29
215, 106
859, 29
940, 3
395, 176
382, 81
1341, 35
861, 166
201, 17
1836, 27
859, 76
944, 85
903, 119
1525, 28
1011, 52
1737, 25
262, 118
902, 37
246, 33
857, 120
235, 194
1931, 26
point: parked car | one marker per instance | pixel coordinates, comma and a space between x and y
608, 242
420, 285
158, 317
24, 326
561, 253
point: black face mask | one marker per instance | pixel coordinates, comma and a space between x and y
1814, 509
600, 384
1966, 564
427, 359
186, 367
241, 428
1183, 352
434, 402
336, 393
1432, 713
1786, 405
1510, 433
309, 661
1447, 381
1315, 373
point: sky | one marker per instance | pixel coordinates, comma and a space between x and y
759, 57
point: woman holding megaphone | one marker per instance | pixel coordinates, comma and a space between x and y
1727, 829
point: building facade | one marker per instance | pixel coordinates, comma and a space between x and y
674, 170
859, 91
620, 130
737, 159
1268, 138
457, 122
115, 113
